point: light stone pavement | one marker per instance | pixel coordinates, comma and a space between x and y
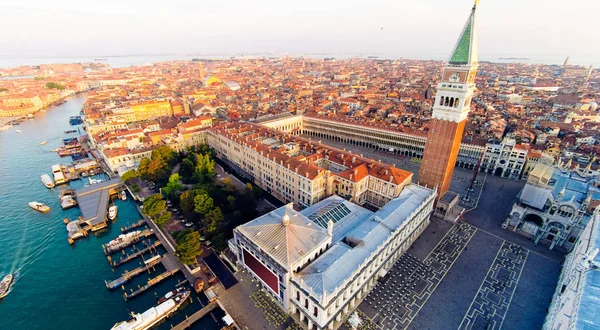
401, 294
489, 307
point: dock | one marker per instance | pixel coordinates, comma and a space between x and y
151, 247
195, 317
128, 276
108, 250
134, 226
151, 282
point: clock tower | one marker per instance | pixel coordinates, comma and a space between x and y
450, 110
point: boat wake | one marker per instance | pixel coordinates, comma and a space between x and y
29, 251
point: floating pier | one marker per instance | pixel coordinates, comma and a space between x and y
151, 282
132, 256
134, 226
127, 276
110, 249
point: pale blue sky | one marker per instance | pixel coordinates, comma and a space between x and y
118, 27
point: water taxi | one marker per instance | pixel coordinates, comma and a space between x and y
39, 206
47, 181
5, 285
112, 212
67, 202
167, 305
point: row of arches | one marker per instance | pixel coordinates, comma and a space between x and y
408, 151
449, 101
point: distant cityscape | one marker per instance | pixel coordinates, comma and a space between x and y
294, 192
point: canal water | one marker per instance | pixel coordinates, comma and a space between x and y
57, 285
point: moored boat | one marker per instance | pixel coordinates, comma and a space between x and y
165, 307
112, 212
19, 131
123, 238
123, 195
5, 285
39, 206
67, 202
47, 181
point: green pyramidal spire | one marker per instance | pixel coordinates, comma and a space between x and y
465, 52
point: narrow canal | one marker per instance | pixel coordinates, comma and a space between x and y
59, 286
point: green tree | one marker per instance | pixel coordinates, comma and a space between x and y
53, 85
129, 175
187, 169
186, 203
143, 167
212, 220
154, 205
203, 203
173, 187
188, 246
163, 219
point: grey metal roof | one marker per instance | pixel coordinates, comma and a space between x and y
93, 200
330, 271
287, 244
588, 312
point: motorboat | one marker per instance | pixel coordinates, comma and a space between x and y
166, 306
19, 131
39, 206
112, 212
123, 195
5, 285
67, 202
43, 143
47, 181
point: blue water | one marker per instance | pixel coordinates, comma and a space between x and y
59, 286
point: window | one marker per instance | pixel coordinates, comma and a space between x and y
305, 303
315, 311
298, 295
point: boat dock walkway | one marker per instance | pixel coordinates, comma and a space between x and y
189, 320
134, 226
130, 257
128, 275
151, 282
108, 250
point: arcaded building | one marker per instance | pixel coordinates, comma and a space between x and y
319, 263
555, 205
304, 172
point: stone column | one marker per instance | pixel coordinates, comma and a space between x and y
310, 325
338, 317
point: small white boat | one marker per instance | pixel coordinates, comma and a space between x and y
43, 143
112, 212
47, 181
123, 195
5, 285
67, 202
19, 131
30, 116
39, 206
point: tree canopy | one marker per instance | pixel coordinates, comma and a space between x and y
188, 246
53, 85
203, 203
173, 187
129, 175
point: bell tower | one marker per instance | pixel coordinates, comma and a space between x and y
450, 110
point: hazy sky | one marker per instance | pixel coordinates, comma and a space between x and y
119, 27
